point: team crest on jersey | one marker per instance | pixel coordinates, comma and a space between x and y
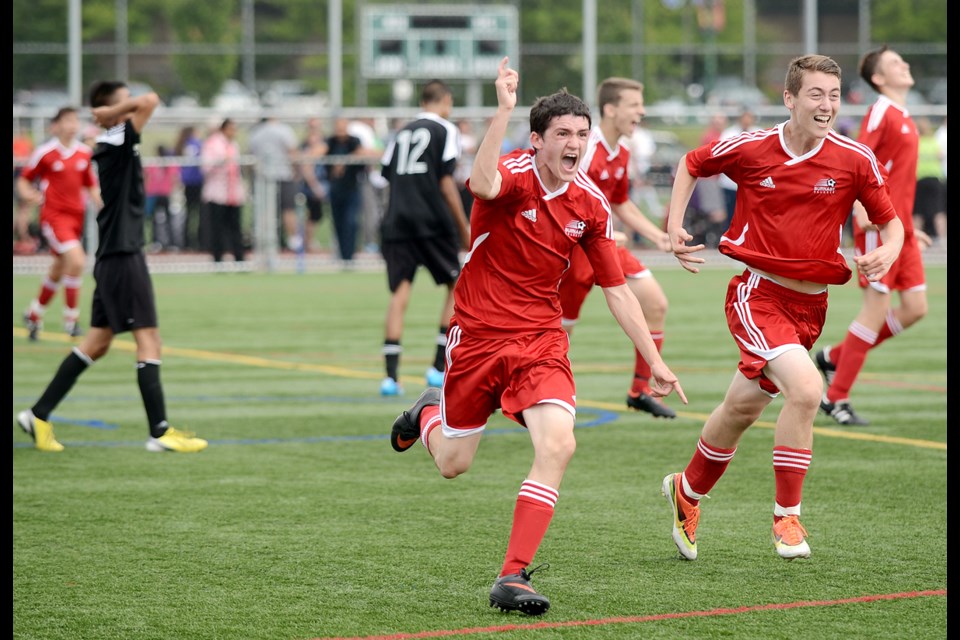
825, 185
530, 214
575, 228
620, 172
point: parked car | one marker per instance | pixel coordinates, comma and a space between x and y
293, 95
42, 98
859, 92
937, 91
730, 91
235, 96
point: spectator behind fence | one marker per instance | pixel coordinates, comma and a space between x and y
313, 184
159, 181
345, 187
224, 191
191, 177
941, 134
468, 147
373, 188
929, 208
747, 122
275, 145
25, 242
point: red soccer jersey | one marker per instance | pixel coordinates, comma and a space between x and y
791, 209
63, 173
607, 167
891, 133
520, 247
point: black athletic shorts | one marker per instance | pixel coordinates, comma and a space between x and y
123, 297
930, 199
287, 195
314, 209
440, 255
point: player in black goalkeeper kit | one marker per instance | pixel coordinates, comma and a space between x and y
424, 224
123, 299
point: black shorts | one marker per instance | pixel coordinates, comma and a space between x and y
314, 208
287, 195
930, 199
123, 297
440, 255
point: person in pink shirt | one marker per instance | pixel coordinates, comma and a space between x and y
159, 181
506, 348
796, 184
59, 177
224, 190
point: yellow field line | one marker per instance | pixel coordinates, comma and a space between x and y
267, 363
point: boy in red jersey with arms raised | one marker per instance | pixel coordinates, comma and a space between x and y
606, 161
59, 177
796, 184
890, 132
506, 348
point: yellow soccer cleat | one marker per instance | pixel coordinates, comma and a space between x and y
40, 430
178, 441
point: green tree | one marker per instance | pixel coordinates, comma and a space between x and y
204, 23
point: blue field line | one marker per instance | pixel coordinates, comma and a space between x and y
598, 417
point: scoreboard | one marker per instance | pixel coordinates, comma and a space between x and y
437, 41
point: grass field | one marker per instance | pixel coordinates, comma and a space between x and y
299, 521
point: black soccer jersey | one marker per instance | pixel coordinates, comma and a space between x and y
120, 221
420, 154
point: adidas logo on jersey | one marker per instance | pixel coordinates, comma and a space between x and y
530, 214
768, 182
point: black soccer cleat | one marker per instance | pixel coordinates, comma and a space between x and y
406, 428
514, 593
33, 326
842, 412
827, 368
646, 402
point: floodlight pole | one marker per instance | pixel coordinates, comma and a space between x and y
589, 50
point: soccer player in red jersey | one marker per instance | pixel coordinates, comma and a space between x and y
506, 348
796, 184
606, 161
59, 177
890, 132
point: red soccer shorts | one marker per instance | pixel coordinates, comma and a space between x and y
766, 319
62, 232
579, 280
511, 374
906, 273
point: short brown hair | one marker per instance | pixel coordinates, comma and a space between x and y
869, 63
610, 89
800, 66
